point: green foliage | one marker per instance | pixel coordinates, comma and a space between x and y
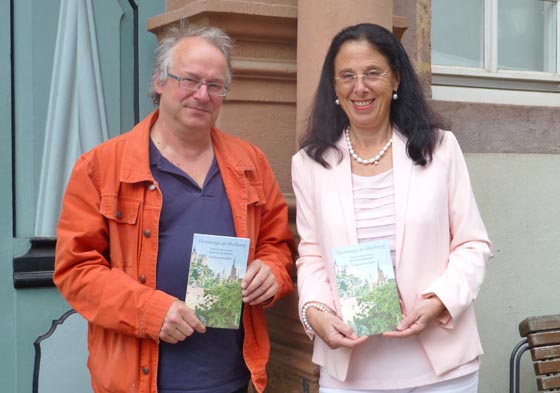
221, 305
379, 310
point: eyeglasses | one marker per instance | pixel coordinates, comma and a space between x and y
349, 78
192, 84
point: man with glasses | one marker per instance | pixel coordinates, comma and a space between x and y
125, 234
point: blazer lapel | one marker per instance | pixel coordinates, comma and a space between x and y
343, 178
402, 172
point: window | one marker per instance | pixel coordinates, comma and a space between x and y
61, 87
497, 44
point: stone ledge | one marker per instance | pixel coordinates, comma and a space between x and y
220, 12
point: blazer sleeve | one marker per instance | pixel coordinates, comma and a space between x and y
470, 248
312, 275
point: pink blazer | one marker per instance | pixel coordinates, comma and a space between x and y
442, 246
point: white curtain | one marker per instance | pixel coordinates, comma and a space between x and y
76, 119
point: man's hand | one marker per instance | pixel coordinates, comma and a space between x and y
259, 284
424, 311
180, 323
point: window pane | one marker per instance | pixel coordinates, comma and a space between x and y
527, 35
458, 32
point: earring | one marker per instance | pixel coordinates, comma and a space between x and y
337, 102
395, 95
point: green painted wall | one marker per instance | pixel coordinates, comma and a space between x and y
7, 293
27, 313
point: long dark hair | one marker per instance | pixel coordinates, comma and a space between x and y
410, 114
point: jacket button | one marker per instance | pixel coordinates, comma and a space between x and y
142, 279
119, 214
145, 370
152, 187
147, 233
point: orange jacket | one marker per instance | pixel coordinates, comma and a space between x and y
107, 245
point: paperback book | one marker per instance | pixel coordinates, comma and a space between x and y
367, 290
217, 267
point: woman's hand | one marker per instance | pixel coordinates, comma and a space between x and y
332, 330
424, 311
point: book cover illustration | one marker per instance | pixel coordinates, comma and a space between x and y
367, 290
218, 265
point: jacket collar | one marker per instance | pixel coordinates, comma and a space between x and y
136, 159
402, 171
229, 153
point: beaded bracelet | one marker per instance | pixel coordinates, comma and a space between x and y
304, 321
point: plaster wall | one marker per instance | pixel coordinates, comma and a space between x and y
518, 198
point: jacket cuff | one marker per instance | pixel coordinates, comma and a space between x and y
284, 287
444, 318
154, 314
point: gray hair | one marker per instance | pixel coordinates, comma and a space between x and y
173, 35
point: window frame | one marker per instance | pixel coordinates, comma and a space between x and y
489, 77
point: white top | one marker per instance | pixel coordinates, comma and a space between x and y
382, 362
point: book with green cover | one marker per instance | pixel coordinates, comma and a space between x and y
217, 267
367, 290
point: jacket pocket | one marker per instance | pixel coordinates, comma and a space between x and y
255, 194
255, 203
114, 360
123, 222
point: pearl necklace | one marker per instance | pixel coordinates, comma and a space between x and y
374, 160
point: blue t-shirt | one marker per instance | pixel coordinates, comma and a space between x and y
203, 363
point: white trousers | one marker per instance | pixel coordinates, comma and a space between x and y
465, 384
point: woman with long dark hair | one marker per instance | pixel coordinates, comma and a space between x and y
376, 167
